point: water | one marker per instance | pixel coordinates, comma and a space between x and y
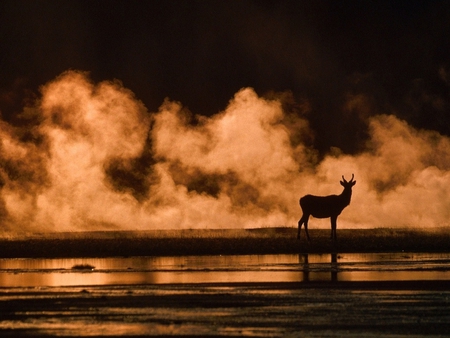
332, 295
224, 269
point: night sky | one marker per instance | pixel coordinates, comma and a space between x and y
395, 54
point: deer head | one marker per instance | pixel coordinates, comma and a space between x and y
348, 184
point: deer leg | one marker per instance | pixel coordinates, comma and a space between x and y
333, 227
306, 227
300, 222
303, 220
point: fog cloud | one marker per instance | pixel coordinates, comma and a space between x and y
94, 158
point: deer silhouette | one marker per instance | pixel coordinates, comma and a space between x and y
325, 206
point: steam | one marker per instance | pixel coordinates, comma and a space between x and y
91, 157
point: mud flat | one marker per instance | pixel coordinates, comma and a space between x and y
221, 242
255, 310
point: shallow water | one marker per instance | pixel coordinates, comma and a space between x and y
351, 295
245, 310
224, 269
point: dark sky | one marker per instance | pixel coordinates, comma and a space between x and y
394, 53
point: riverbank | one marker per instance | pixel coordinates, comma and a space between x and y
281, 240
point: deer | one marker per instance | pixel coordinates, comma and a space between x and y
325, 207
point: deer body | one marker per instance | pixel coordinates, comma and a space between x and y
325, 207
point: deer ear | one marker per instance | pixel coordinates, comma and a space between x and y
353, 183
342, 183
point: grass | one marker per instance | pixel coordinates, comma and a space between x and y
280, 240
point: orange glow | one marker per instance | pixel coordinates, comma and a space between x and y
105, 162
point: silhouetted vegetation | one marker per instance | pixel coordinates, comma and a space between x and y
83, 267
281, 240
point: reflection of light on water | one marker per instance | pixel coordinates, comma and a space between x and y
90, 328
225, 269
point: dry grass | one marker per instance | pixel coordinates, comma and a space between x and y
223, 242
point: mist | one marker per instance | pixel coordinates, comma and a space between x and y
89, 156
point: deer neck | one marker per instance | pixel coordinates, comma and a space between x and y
346, 195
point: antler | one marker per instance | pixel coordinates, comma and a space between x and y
353, 175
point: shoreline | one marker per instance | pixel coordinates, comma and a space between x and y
221, 242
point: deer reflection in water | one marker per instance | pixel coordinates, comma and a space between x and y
306, 268
325, 207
